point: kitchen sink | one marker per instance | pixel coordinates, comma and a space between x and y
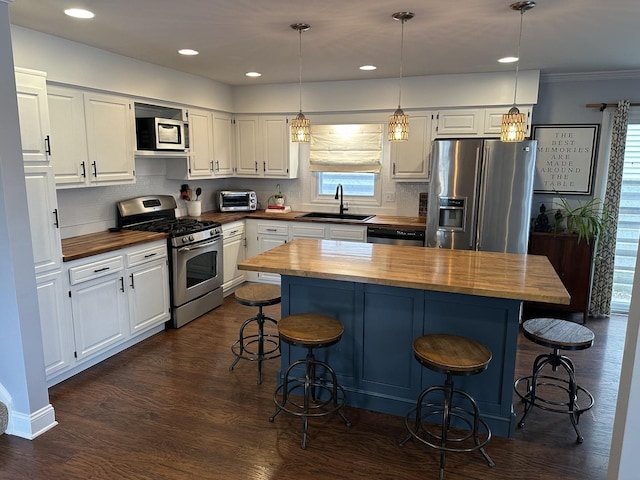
336, 216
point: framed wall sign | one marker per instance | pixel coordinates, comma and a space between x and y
565, 159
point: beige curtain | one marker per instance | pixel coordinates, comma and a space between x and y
602, 287
346, 148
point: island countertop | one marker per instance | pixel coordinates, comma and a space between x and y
486, 274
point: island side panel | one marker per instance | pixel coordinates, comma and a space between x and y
494, 323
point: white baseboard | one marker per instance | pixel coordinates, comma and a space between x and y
29, 426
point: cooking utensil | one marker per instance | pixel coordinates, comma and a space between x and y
198, 192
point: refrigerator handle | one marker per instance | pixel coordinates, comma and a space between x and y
483, 194
474, 209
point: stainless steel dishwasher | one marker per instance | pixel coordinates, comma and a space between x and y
395, 236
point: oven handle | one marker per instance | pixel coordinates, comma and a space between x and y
198, 246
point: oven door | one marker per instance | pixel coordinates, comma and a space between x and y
196, 270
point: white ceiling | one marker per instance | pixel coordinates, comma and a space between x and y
236, 36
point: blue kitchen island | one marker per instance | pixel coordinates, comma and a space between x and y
387, 295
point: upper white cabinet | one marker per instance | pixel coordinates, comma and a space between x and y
475, 122
33, 112
93, 136
223, 164
110, 138
410, 160
493, 120
264, 147
200, 144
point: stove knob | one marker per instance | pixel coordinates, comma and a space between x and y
185, 239
191, 238
213, 232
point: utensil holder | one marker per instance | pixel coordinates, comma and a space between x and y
194, 208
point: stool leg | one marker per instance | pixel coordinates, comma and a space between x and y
240, 342
260, 318
446, 421
530, 398
334, 389
573, 397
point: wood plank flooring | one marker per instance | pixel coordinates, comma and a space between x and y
169, 408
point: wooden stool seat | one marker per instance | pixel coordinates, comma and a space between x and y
558, 334
451, 354
310, 329
259, 295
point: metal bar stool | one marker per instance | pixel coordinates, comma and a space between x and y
311, 395
268, 345
460, 429
539, 389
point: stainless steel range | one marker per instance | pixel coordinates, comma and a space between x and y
195, 255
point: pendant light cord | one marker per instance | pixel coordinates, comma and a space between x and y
515, 90
300, 69
401, 60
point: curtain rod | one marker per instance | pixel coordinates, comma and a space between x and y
603, 106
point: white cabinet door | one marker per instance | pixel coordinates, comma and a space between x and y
263, 235
222, 145
56, 325
100, 314
307, 230
410, 160
234, 253
43, 218
247, 139
276, 147
110, 138
148, 295
69, 136
200, 144
33, 112
351, 233
458, 122
493, 120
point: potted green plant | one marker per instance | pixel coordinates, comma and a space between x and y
587, 220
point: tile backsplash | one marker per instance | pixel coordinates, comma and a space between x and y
422, 205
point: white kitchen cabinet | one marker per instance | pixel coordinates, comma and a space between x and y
264, 147
410, 160
351, 233
68, 130
223, 161
110, 128
98, 305
234, 252
55, 323
33, 112
43, 218
458, 122
307, 230
200, 144
263, 235
147, 278
93, 138
493, 120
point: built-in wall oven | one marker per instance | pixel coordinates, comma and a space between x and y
195, 257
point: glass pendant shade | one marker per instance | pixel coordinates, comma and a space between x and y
300, 129
398, 126
514, 126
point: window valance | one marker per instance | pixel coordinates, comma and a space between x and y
346, 148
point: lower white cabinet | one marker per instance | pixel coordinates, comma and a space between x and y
115, 300
234, 252
263, 235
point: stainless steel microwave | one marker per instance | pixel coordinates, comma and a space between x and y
237, 200
153, 133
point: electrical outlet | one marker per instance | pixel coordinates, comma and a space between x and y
390, 197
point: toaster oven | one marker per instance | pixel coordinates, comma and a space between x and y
237, 200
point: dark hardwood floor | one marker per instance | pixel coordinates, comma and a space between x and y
169, 408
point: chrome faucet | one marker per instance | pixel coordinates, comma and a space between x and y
342, 207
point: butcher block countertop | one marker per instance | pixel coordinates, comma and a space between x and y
486, 274
101, 242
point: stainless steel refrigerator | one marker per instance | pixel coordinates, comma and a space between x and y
480, 195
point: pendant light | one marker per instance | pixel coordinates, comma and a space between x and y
399, 122
514, 123
300, 126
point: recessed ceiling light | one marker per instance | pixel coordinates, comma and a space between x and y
79, 13
368, 67
188, 51
508, 59
253, 74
